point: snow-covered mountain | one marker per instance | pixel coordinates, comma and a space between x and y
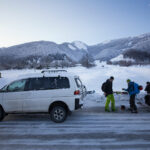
113, 48
74, 51
77, 50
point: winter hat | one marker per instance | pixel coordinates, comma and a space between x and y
112, 78
128, 80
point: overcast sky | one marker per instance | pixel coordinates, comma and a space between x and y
89, 21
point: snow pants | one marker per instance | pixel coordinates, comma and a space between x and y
110, 98
147, 99
132, 103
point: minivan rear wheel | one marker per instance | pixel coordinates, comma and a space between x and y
58, 114
1, 114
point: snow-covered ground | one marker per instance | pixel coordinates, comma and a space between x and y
90, 128
94, 77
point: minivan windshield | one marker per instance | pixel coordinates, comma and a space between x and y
17, 86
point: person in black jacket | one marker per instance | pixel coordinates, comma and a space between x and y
147, 97
109, 94
147, 88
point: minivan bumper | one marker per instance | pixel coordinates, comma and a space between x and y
77, 104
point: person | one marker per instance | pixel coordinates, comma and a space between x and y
132, 90
147, 97
108, 92
147, 88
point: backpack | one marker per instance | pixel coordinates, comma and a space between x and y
136, 88
140, 87
103, 87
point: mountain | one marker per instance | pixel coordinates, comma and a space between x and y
42, 54
73, 50
108, 50
45, 53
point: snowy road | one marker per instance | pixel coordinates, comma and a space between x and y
86, 129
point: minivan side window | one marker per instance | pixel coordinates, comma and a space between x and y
47, 83
17, 86
62, 82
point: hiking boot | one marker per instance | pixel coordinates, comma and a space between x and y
107, 110
113, 110
130, 109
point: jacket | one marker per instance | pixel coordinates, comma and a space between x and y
132, 88
147, 89
108, 87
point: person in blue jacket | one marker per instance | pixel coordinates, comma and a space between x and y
132, 90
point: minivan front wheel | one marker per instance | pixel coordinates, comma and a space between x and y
1, 113
58, 114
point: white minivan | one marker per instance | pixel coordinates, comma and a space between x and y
56, 92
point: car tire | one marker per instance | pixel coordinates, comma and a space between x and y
58, 114
1, 114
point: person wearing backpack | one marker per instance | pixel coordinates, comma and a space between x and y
133, 90
108, 92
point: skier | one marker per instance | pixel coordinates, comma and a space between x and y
132, 89
147, 97
108, 92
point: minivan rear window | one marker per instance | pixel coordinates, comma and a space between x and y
47, 83
78, 82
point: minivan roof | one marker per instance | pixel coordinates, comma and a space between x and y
47, 74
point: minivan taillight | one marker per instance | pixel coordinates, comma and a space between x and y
77, 92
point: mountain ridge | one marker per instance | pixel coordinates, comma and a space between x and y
76, 50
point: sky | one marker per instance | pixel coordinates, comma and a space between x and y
89, 21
